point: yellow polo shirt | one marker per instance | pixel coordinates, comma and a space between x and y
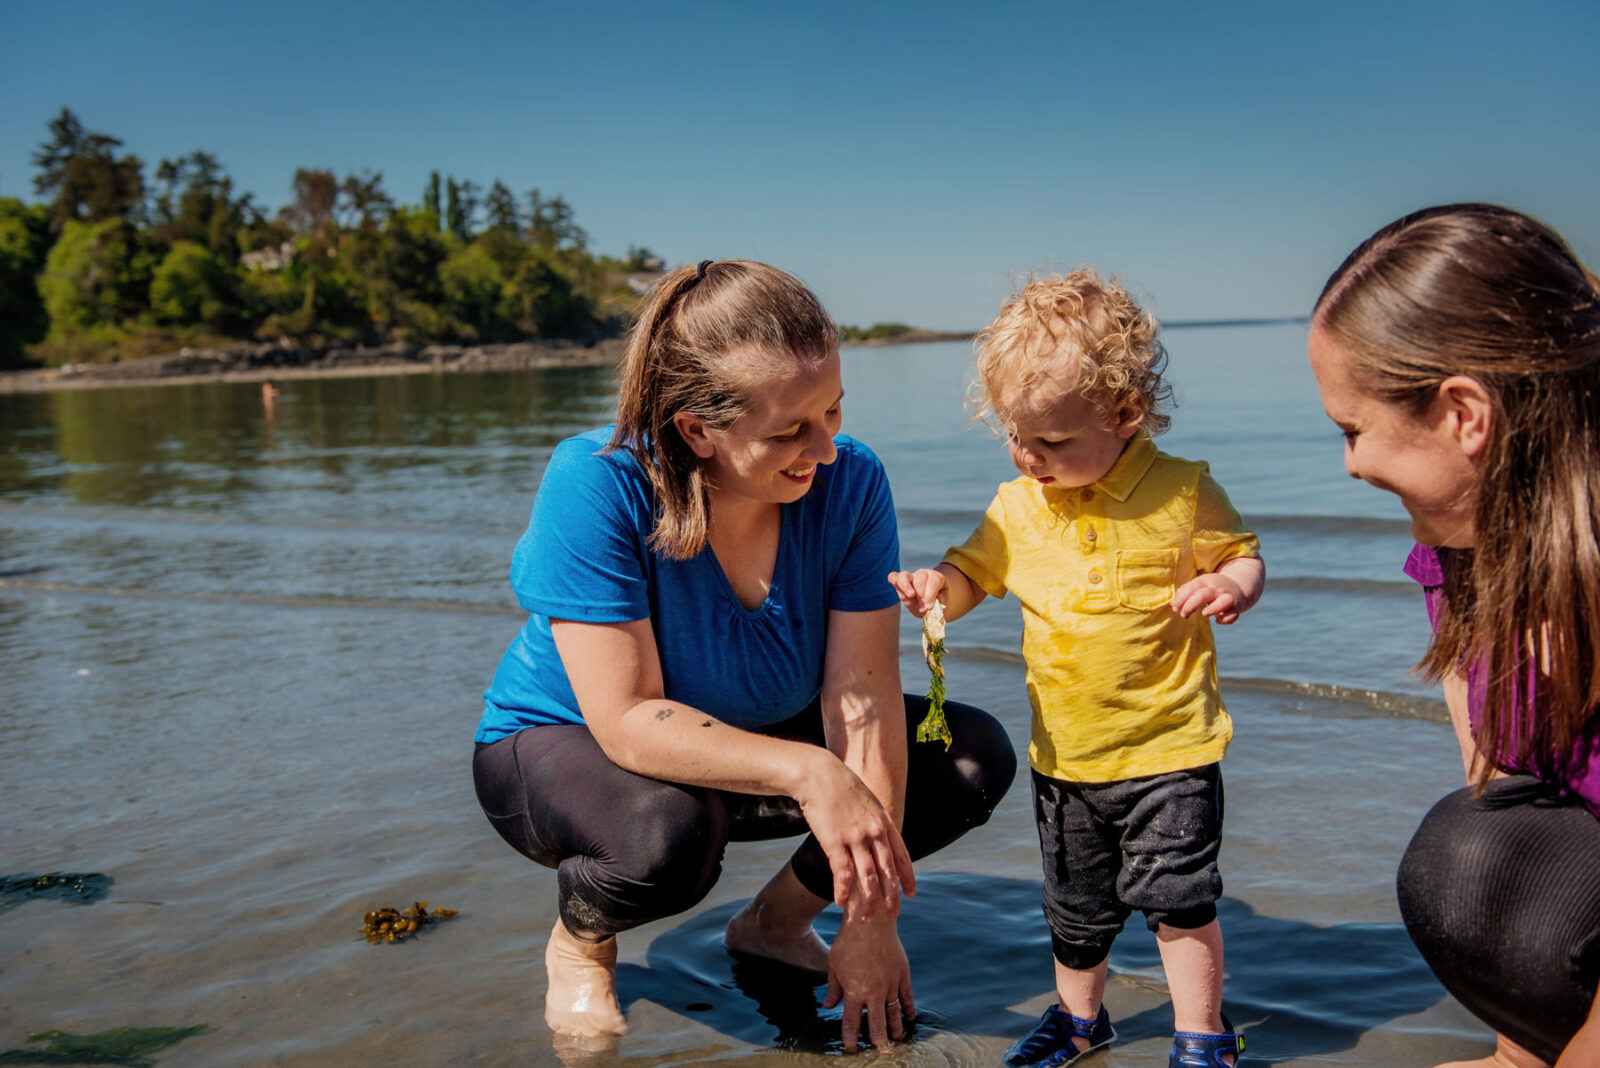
1121, 685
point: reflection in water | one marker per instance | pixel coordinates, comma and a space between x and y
213, 445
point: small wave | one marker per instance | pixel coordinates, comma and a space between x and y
1323, 584
968, 516
227, 521
1374, 702
1328, 524
263, 600
1378, 702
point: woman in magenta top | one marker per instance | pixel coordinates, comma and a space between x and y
1458, 349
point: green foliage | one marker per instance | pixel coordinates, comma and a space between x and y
875, 332
24, 240
430, 199
474, 293
99, 271
83, 177
191, 286
98, 274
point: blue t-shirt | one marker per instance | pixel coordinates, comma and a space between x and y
584, 557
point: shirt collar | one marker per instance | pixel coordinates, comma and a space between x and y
1130, 467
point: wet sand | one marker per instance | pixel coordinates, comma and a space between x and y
251, 820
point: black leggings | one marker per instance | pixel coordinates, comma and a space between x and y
1501, 893
629, 849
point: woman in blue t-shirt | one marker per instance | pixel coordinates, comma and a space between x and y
712, 654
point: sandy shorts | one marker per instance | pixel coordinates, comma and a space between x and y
1110, 848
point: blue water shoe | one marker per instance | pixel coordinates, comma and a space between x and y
1193, 1049
1050, 1043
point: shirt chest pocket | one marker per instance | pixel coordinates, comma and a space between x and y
1146, 578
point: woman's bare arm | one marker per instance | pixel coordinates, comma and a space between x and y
615, 674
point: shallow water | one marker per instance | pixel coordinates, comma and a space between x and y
243, 666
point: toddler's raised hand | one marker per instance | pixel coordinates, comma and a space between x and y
918, 590
1214, 595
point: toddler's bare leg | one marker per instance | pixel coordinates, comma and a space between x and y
1193, 962
1081, 992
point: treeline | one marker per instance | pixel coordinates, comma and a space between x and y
875, 332
108, 264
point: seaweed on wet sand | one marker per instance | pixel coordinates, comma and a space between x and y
390, 924
129, 1047
77, 888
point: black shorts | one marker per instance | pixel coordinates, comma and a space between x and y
1109, 848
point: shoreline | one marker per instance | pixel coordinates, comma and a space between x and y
281, 361
285, 361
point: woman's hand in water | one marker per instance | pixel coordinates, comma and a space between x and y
868, 971
863, 846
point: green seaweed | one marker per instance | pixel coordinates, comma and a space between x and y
933, 727
77, 888
131, 1047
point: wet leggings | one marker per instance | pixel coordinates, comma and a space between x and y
629, 849
1501, 894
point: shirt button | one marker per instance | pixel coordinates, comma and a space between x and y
1087, 494
1094, 577
1091, 534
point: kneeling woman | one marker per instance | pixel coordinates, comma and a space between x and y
712, 654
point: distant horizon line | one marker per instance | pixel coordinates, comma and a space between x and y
1184, 324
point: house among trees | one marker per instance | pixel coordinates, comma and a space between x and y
268, 259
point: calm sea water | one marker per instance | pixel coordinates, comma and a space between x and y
242, 665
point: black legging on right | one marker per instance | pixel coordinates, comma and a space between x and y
628, 849
1501, 894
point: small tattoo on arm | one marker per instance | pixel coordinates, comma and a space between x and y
708, 723
664, 713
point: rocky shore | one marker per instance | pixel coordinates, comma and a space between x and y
283, 360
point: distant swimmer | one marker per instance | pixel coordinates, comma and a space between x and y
269, 397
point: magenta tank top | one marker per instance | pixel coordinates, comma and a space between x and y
1579, 775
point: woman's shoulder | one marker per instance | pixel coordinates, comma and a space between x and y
854, 462
586, 455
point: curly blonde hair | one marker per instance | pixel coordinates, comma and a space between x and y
1078, 322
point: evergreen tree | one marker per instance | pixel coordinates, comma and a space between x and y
430, 199
83, 177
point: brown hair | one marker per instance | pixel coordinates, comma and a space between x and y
702, 342
1081, 321
1486, 292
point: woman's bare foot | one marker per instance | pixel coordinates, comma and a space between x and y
755, 931
1507, 1054
582, 976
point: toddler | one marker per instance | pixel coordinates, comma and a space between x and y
1120, 557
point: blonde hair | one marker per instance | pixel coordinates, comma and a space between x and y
1486, 292
1080, 323
702, 342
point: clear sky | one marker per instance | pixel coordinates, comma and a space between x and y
909, 160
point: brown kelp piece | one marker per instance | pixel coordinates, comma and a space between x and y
390, 924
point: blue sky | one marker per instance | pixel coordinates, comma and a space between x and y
910, 161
